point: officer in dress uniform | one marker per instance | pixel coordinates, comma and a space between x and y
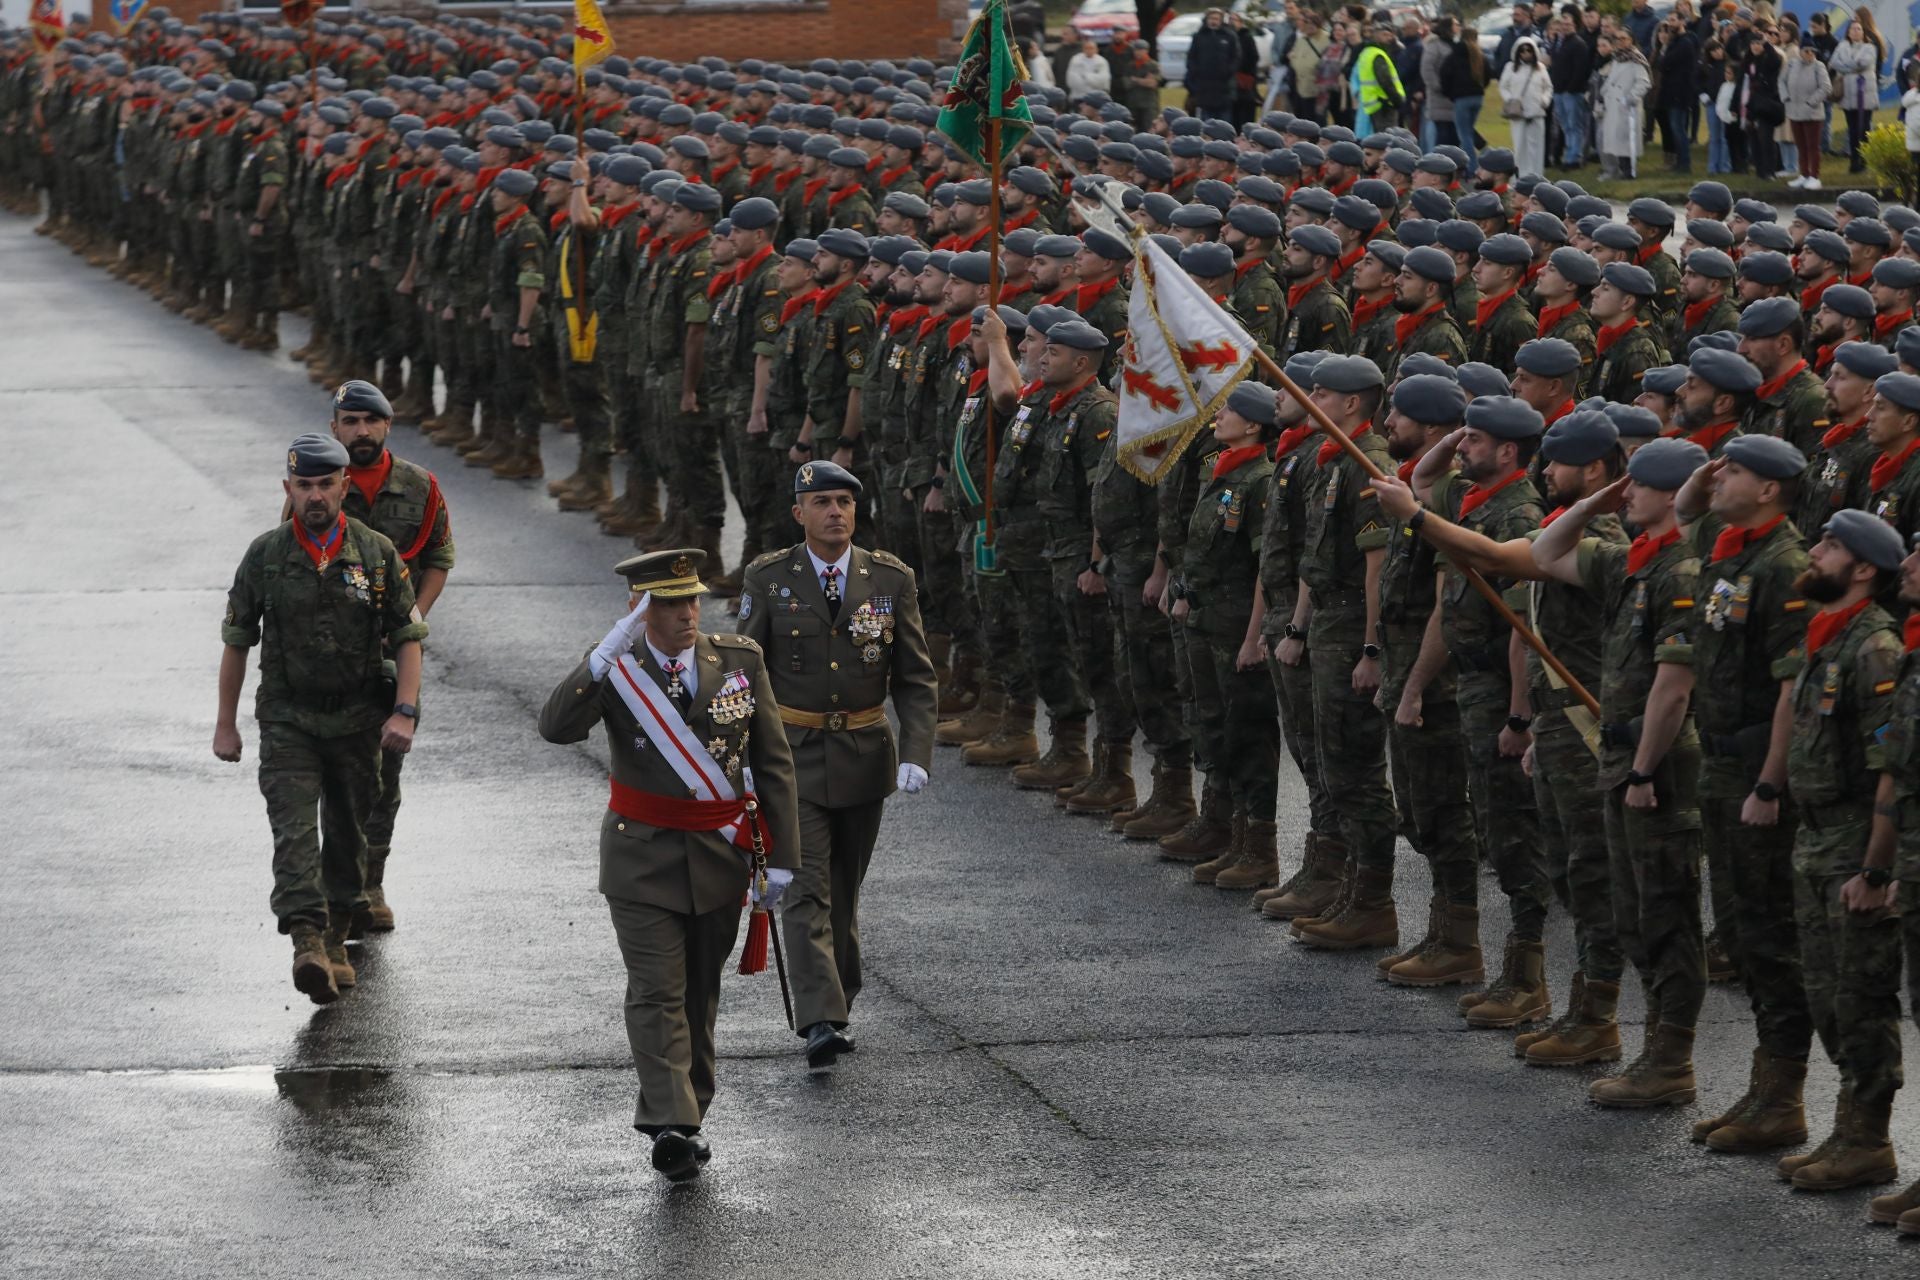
701, 815
840, 627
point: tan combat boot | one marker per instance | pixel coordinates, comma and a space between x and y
1392, 958
1453, 955
379, 916
1315, 886
1756, 1078
1569, 1017
1066, 760
1168, 808
1205, 834
960, 687
312, 976
1663, 1078
1062, 794
343, 975
674, 530
522, 461
1593, 1036
1111, 786
1259, 861
1863, 1158
1776, 1115
594, 486
1720, 965
977, 723
1011, 742
1893, 1207
1520, 994
1842, 1109
1367, 918
940, 650
1204, 873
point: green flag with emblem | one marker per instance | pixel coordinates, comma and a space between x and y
986, 86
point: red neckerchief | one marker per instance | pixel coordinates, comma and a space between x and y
1562, 410
1863, 279
720, 281
1347, 262
1551, 316
370, 480
556, 218
812, 188
1533, 272
961, 331
643, 239
1551, 516
1089, 295
613, 215
1180, 180
1611, 334
1240, 269
976, 380
1645, 253
1290, 440
784, 179
837, 198
440, 201
1773, 386
1646, 547
1331, 448
687, 242
1841, 432
1059, 402
724, 168
758, 174
1363, 311
1405, 327
1488, 306
1811, 295
1340, 188
904, 317
1732, 541
1707, 437
1404, 472
320, 552
933, 321
1910, 636
408, 178
1823, 357
195, 130
1697, 312
1887, 466
1058, 298
1296, 292
1025, 219
887, 177
1228, 459
1824, 628
966, 244
1475, 496
341, 174
1884, 325
226, 126
791, 307
823, 298
507, 219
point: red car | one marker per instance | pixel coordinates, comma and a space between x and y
1100, 19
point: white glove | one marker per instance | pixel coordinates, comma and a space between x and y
777, 882
911, 778
619, 641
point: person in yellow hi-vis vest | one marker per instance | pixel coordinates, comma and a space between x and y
1378, 95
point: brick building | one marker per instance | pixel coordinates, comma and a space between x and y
792, 31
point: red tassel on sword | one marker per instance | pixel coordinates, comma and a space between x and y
753, 956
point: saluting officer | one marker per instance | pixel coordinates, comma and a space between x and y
702, 804
840, 627
330, 598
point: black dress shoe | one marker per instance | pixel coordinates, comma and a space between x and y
679, 1155
826, 1042
702, 1149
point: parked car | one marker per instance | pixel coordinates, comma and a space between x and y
1177, 37
1099, 19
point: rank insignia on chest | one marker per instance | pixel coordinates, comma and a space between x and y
1232, 507
1022, 429
746, 607
1331, 498
1719, 604
1831, 474
639, 742
356, 579
871, 626
1888, 510
967, 410
1073, 427
733, 702
963, 368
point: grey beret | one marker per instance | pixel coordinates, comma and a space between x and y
1388, 253
1768, 317
1255, 220
906, 204
1034, 182
1867, 359
1583, 436
1460, 236
314, 454
1505, 418
802, 248
1907, 347
1057, 246
1347, 374
1725, 370
1755, 210
1421, 362
1551, 199
1711, 263
1827, 244
1045, 316
1255, 402
356, 396
973, 267
1664, 379
1849, 300
1634, 422
1207, 260
1361, 215
1629, 279
1317, 201
1901, 388
1711, 233
1765, 456
1477, 205
845, 242
1654, 213
1858, 203
1415, 232
1869, 231
1507, 250
1077, 334
1545, 226
1429, 398
1020, 242
1712, 195
1665, 464
1897, 273
1434, 205
1107, 245
1617, 235
1497, 160
1479, 379
1300, 367
1202, 217
751, 214
1577, 268
1315, 240
819, 477
1766, 267
517, 183
1868, 537
502, 135
698, 197
1548, 357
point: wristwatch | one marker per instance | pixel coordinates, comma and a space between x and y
1876, 877
406, 709
1519, 724
1418, 518
1638, 779
1766, 791
803, 446
1370, 651
1292, 632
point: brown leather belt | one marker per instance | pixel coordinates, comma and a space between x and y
833, 721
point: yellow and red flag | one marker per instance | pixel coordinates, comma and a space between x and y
49, 23
592, 40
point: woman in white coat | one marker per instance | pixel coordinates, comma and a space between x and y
1856, 65
1088, 71
1624, 84
1526, 96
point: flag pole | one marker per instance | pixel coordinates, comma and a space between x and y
579, 263
993, 290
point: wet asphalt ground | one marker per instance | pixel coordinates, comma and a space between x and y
1072, 1061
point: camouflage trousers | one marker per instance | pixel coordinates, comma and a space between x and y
1248, 750
996, 605
256, 289
1574, 835
512, 396
750, 466
1088, 625
897, 512
583, 400
1203, 710
1351, 736
690, 453
380, 819
1509, 824
1293, 694
1142, 657
1851, 966
1759, 864
1654, 855
319, 792
1429, 762
945, 607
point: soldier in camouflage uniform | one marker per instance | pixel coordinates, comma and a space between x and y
1502, 323
786, 398
1851, 959
1893, 428
678, 312
1626, 344
836, 360
848, 205
263, 229
1653, 222
746, 317
1705, 308
331, 599
516, 280
1371, 297
1560, 292
1842, 455
1259, 299
1791, 403
1422, 323
1317, 315
620, 227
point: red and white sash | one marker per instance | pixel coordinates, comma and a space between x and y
660, 720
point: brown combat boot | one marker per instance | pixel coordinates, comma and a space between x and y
1720, 965
379, 916
416, 402
593, 484
977, 723
522, 461
1169, 806
1863, 1158
1594, 1033
1775, 1114
265, 333
1842, 1109
1453, 955
343, 975
1204, 872
1392, 958
1314, 887
960, 686
1207, 833
1520, 993
1367, 918
1259, 863
1111, 786
1065, 793
1756, 1076
1569, 1017
1662, 1078
1011, 742
312, 976
636, 510
1894, 1206
489, 450
1066, 759
673, 532
706, 537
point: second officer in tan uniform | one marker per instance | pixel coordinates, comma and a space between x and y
840, 627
